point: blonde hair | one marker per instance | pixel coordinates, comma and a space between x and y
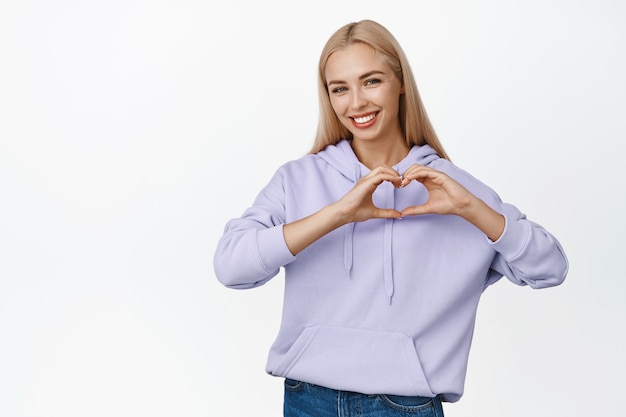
414, 121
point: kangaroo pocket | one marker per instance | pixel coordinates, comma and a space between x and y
370, 362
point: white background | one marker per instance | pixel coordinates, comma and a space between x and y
131, 131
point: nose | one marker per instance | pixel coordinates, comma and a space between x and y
358, 99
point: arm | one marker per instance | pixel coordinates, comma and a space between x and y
255, 246
446, 196
355, 206
526, 253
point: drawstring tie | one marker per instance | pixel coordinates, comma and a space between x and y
348, 247
387, 247
348, 237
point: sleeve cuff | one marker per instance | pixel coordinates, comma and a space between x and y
513, 240
272, 248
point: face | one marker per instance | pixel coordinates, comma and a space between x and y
364, 93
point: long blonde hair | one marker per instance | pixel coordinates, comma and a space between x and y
414, 121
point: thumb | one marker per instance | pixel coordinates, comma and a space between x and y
415, 210
388, 214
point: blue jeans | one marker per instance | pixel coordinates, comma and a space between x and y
307, 400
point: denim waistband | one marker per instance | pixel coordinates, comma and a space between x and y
301, 397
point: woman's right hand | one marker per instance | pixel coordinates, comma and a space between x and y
357, 205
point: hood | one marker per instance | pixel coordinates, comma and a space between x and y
343, 159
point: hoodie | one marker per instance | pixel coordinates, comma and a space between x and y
384, 306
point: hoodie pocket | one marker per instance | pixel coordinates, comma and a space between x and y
370, 362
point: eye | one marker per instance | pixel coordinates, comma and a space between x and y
372, 81
338, 90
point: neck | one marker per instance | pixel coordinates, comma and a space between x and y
375, 153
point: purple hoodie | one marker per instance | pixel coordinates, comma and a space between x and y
385, 306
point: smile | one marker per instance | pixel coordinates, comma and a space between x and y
361, 120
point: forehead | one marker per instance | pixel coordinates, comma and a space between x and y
353, 61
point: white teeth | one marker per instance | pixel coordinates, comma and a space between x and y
364, 119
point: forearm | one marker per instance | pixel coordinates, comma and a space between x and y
248, 256
489, 221
302, 233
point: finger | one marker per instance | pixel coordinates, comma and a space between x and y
416, 210
411, 173
382, 169
378, 178
424, 175
411, 168
420, 170
387, 214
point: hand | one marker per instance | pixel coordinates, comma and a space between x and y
445, 195
357, 205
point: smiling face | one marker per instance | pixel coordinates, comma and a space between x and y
364, 93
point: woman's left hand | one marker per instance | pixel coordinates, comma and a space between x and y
445, 195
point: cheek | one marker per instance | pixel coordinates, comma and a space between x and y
338, 107
335, 103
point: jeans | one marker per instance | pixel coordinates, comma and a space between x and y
307, 400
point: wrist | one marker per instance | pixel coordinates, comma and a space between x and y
481, 215
335, 215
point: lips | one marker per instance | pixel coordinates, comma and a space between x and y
365, 120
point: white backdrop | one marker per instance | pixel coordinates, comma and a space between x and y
131, 131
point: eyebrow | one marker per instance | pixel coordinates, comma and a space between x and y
362, 77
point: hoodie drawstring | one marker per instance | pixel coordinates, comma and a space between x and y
342, 158
387, 254
348, 237
347, 246
348, 242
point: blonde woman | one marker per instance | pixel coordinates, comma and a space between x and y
387, 246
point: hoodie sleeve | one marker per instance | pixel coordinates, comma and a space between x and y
252, 248
526, 253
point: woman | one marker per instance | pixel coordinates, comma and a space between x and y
386, 245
